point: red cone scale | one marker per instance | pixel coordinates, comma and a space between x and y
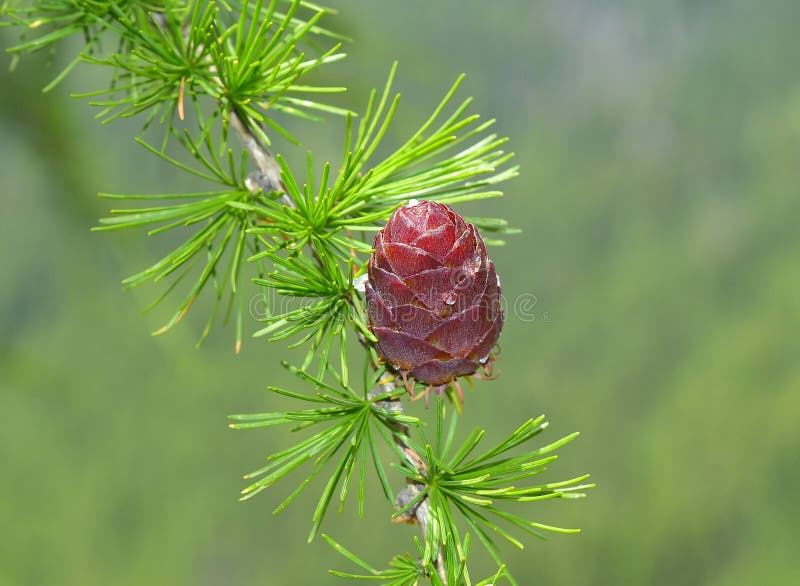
433, 295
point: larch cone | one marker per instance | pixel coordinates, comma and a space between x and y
433, 296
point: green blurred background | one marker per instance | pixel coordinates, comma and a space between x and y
659, 198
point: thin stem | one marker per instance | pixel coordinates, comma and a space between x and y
268, 177
419, 515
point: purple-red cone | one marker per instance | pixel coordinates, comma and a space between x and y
433, 296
